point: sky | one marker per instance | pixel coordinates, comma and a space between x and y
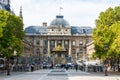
76, 12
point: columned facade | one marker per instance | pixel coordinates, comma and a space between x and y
59, 42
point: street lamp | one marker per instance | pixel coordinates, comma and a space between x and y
106, 62
15, 59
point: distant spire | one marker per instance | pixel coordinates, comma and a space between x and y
21, 13
9, 2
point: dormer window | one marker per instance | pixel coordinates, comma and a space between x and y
59, 29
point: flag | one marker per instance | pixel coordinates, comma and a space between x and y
61, 8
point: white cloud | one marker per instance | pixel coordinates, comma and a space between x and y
76, 12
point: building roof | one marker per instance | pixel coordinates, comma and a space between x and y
44, 30
81, 30
2, 7
36, 29
59, 21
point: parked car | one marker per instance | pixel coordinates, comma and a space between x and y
58, 65
88, 63
80, 62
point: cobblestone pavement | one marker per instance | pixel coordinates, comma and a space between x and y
58, 74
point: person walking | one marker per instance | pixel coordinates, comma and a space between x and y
32, 67
66, 66
76, 67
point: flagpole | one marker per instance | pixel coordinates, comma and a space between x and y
60, 10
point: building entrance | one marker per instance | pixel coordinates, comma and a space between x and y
59, 54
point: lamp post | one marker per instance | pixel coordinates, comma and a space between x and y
15, 59
106, 62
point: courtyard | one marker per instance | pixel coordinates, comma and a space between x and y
60, 74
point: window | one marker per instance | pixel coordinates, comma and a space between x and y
66, 43
59, 29
44, 51
60, 43
37, 51
81, 42
44, 42
73, 51
52, 43
81, 51
37, 42
73, 43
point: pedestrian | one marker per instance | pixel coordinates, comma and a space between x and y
76, 67
66, 66
32, 67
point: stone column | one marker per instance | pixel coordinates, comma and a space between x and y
34, 43
69, 48
55, 43
62, 43
48, 51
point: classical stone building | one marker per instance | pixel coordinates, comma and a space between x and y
90, 49
59, 42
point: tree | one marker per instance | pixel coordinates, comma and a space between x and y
3, 19
107, 33
12, 38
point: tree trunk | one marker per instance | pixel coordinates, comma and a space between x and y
8, 66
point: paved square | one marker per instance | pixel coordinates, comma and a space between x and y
59, 74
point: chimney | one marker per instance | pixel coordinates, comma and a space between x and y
44, 24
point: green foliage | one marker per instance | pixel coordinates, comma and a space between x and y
3, 19
107, 33
13, 34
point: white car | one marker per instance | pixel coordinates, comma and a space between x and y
81, 63
90, 63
